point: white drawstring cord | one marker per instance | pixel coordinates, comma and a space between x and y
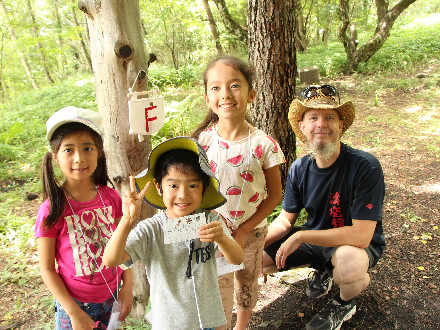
90, 251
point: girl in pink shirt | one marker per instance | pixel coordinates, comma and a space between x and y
75, 222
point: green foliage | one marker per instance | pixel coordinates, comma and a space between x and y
15, 231
22, 129
407, 47
16, 273
166, 77
302, 217
330, 60
181, 118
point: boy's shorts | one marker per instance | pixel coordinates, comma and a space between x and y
318, 257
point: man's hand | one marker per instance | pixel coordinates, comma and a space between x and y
286, 249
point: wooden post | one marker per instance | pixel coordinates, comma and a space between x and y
308, 75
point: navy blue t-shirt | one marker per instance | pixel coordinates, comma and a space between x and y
351, 188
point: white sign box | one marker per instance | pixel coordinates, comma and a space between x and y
146, 115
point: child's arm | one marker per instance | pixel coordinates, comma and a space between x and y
46, 252
273, 198
115, 254
125, 295
213, 232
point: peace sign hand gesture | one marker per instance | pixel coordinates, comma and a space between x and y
132, 201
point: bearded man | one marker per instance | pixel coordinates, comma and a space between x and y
342, 189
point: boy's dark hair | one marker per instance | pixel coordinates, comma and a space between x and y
184, 160
239, 65
52, 188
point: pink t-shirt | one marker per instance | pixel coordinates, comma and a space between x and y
94, 223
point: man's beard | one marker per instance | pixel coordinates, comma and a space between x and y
323, 151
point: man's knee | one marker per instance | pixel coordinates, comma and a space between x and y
350, 263
268, 265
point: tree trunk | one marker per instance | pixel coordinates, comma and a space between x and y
118, 53
58, 29
81, 39
272, 54
240, 32
326, 30
36, 31
4, 89
357, 55
300, 31
23, 58
213, 27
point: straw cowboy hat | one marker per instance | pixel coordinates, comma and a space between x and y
319, 101
212, 198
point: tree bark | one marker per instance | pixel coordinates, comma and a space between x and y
357, 55
118, 53
214, 32
272, 54
240, 32
23, 58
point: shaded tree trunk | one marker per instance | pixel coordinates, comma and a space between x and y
23, 58
36, 31
171, 45
214, 32
84, 50
385, 22
272, 54
118, 53
4, 88
326, 31
58, 27
235, 29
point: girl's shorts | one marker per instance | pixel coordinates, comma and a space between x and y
96, 311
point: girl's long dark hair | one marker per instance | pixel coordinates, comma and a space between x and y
52, 188
239, 65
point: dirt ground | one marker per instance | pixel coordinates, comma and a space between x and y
402, 129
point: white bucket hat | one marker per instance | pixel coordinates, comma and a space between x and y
71, 114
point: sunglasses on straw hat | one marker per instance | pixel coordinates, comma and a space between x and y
319, 97
327, 90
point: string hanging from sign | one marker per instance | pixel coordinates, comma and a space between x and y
146, 115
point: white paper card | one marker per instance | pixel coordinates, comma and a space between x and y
184, 228
224, 267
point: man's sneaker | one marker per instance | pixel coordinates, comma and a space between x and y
332, 316
319, 284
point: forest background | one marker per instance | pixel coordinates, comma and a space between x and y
45, 65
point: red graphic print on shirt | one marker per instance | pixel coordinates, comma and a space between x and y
335, 211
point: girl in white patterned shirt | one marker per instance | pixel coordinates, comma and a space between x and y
246, 161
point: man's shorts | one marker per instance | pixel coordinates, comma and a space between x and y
317, 256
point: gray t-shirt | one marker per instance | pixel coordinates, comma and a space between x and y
176, 300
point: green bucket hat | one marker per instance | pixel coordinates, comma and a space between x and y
212, 197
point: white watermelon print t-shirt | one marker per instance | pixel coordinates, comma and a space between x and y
240, 171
